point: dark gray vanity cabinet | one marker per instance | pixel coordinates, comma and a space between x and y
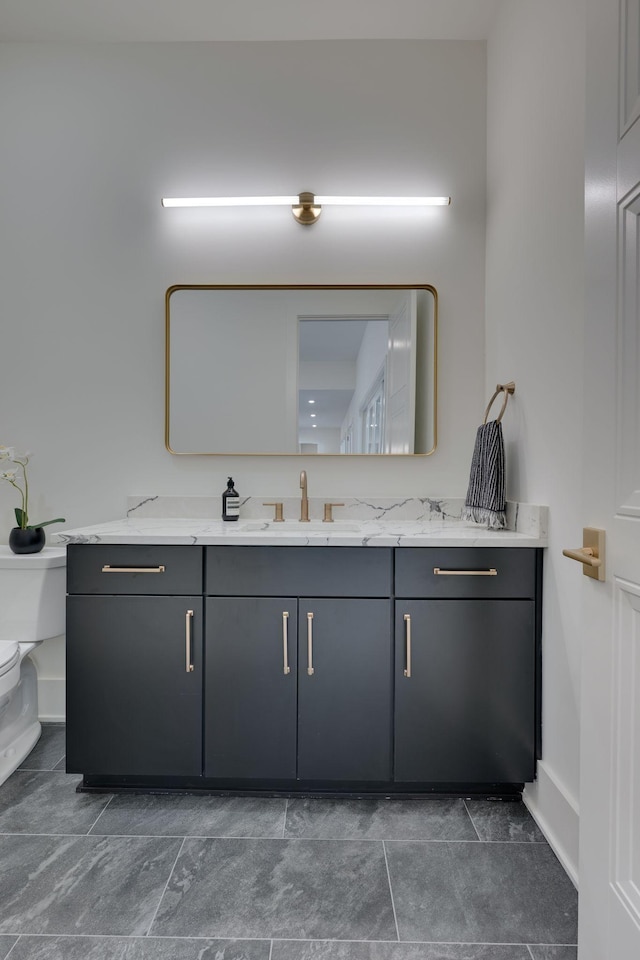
329, 717
251, 688
345, 669
344, 689
465, 670
298, 689
134, 661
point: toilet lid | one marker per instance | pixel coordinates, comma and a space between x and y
9, 656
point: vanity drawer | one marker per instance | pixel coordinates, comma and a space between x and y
465, 572
149, 570
298, 571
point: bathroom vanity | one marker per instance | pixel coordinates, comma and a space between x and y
281, 660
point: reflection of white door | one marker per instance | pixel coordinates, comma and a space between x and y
401, 378
610, 682
346, 441
372, 417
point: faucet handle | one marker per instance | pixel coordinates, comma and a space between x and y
278, 517
328, 515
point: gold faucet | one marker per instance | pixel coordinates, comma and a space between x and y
304, 501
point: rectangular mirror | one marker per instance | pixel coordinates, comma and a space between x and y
301, 370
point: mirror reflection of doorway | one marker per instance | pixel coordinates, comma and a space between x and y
335, 356
358, 370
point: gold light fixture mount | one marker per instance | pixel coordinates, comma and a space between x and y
306, 211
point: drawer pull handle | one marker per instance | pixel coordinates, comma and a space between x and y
187, 632
109, 569
310, 669
491, 572
407, 642
285, 642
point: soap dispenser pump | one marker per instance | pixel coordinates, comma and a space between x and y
230, 502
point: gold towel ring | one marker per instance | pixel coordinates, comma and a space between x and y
507, 388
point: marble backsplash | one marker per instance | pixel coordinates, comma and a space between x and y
528, 518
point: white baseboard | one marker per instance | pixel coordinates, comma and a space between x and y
558, 815
51, 699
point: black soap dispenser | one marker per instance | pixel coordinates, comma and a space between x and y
230, 502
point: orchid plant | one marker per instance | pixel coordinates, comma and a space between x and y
16, 475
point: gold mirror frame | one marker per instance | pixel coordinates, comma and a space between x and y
311, 287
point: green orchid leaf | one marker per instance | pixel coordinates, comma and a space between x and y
21, 518
45, 523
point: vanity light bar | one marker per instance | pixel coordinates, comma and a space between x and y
306, 207
385, 201
228, 201
289, 201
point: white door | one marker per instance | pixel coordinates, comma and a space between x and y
609, 872
400, 413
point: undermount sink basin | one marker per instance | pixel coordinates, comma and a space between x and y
297, 527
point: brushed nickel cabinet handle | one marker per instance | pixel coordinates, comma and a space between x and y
310, 669
285, 642
109, 569
491, 572
187, 631
407, 641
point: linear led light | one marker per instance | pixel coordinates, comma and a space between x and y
386, 201
306, 207
227, 201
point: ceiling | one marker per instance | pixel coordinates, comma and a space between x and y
330, 408
330, 340
163, 20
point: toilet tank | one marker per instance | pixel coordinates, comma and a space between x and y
32, 594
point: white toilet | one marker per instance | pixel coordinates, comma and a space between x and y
32, 608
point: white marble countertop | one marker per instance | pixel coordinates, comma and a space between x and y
367, 533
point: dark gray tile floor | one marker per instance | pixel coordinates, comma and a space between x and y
5, 945
48, 752
168, 877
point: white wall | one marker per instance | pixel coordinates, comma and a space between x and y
94, 135
535, 314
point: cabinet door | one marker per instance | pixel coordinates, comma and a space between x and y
344, 705
466, 713
133, 707
250, 695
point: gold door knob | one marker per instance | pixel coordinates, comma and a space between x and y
590, 554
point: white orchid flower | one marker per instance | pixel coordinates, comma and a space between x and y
17, 477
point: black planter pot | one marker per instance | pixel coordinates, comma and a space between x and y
27, 541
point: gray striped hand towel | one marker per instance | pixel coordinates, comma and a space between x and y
485, 501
